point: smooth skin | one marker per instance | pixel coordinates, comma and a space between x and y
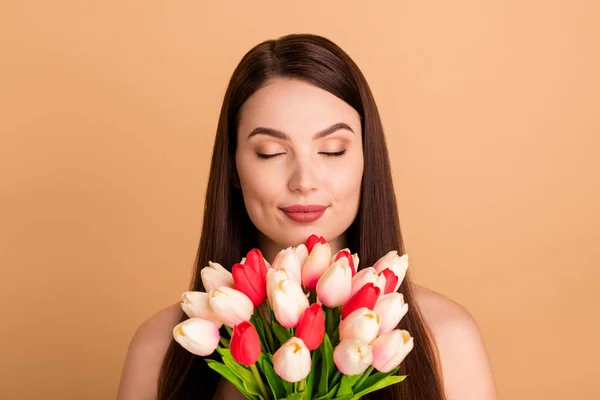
299, 144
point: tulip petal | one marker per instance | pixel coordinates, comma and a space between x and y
197, 335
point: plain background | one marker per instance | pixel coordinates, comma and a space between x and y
108, 115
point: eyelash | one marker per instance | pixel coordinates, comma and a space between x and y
334, 154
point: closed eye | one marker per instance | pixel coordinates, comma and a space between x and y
334, 154
267, 156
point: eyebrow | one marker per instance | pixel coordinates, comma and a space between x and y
284, 136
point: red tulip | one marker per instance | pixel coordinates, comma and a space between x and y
312, 240
390, 280
250, 278
245, 344
311, 327
345, 253
255, 256
366, 297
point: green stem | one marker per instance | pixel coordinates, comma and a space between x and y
302, 385
363, 378
225, 342
267, 327
329, 321
229, 330
336, 378
261, 385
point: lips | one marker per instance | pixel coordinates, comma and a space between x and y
304, 213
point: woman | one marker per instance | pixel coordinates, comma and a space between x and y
299, 127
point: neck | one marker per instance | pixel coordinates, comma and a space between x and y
270, 249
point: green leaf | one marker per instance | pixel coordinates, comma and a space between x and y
316, 356
226, 373
242, 372
295, 396
260, 329
283, 335
390, 380
330, 395
374, 378
346, 384
273, 380
326, 365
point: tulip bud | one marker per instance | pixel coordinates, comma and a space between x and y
231, 306
367, 275
312, 240
390, 349
273, 278
292, 360
315, 266
288, 301
311, 327
361, 324
352, 356
255, 258
390, 308
288, 259
250, 279
197, 335
245, 344
301, 253
390, 280
333, 289
366, 297
397, 264
346, 253
214, 276
197, 305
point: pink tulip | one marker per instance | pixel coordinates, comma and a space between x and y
390, 349
333, 289
214, 276
316, 264
197, 305
367, 275
352, 356
301, 252
273, 278
398, 265
390, 308
231, 306
288, 259
197, 335
352, 259
287, 300
292, 360
361, 324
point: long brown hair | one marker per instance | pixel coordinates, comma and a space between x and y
228, 234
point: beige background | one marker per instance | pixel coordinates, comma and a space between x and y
108, 113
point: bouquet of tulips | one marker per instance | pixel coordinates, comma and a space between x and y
307, 327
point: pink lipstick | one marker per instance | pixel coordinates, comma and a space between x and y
304, 213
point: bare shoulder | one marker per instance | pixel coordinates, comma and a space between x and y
465, 365
145, 354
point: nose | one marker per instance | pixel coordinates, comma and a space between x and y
304, 178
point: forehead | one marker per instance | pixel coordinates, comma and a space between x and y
295, 107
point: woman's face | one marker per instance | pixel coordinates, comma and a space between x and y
299, 159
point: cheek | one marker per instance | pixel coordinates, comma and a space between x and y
345, 182
259, 185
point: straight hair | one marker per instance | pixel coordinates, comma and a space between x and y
228, 234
